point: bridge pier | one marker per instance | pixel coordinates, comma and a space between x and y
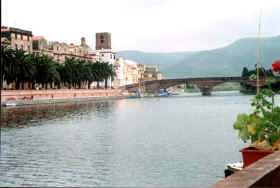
206, 91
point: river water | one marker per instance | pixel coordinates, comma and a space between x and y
180, 141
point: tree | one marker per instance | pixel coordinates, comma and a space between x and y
8, 66
20, 68
245, 72
59, 68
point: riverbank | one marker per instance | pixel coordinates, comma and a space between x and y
31, 97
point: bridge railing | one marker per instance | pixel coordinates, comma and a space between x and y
201, 79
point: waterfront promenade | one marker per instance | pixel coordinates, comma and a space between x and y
61, 95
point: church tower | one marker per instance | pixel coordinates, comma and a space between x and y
103, 41
83, 41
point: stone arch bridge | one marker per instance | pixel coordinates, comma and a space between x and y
205, 84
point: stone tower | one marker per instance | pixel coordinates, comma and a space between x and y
103, 41
83, 41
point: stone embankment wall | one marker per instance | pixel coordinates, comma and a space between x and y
263, 173
37, 95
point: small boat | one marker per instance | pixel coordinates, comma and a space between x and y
137, 95
10, 104
233, 167
162, 93
172, 93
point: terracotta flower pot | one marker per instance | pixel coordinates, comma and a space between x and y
251, 155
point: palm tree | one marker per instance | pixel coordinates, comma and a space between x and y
44, 70
53, 74
32, 69
59, 68
98, 73
108, 72
112, 72
69, 69
89, 74
85, 73
7, 66
20, 68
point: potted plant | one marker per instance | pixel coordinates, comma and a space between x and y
262, 126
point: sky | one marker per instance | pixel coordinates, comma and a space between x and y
146, 25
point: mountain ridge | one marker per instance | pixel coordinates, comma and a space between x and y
224, 61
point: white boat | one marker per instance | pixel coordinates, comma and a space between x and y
233, 167
172, 93
10, 104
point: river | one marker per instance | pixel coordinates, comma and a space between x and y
180, 141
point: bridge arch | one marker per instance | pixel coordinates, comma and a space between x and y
227, 84
205, 84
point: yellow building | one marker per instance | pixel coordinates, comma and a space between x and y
60, 50
152, 73
131, 72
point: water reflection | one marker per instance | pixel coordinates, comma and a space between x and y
180, 141
37, 114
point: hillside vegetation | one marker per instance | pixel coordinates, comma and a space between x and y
227, 61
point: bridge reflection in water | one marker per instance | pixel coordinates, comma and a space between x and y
205, 84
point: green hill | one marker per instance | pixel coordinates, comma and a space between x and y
227, 61
163, 60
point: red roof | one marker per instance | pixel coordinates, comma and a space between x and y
37, 37
4, 29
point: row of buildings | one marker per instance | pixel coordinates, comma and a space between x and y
127, 71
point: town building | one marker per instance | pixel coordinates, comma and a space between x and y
39, 43
127, 71
103, 41
17, 38
104, 53
131, 72
152, 73
60, 50
103, 48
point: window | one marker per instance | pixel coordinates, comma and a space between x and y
102, 39
15, 35
27, 38
21, 37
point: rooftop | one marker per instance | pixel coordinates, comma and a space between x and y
37, 37
16, 30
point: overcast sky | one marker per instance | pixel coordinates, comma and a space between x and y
147, 25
